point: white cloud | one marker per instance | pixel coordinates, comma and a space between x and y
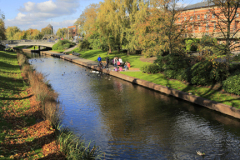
37, 15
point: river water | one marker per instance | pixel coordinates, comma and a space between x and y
131, 122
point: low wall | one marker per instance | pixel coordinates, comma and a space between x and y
220, 107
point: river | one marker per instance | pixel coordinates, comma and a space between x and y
131, 122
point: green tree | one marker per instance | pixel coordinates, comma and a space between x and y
107, 27
11, 31
61, 32
2, 30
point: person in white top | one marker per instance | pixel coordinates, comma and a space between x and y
120, 60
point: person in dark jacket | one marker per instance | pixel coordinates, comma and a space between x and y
99, 60
107, 61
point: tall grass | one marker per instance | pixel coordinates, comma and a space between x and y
70, 145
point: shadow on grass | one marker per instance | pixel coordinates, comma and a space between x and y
1, 98
9, 55
11, 83
8, 66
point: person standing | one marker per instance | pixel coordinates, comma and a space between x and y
99, 60
107, 61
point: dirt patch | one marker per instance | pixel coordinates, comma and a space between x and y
151, 59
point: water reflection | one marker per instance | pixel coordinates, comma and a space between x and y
131, 122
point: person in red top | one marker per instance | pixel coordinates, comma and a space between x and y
128, 65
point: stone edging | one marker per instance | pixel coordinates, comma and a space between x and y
220, 107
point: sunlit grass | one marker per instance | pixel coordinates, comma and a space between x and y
204, 92
93, 55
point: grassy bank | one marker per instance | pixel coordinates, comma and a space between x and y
21, 135
23, 132
208, 93
93, 55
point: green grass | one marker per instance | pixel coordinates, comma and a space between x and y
93, 55
205, 92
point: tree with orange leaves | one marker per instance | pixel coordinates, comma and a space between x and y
157, 29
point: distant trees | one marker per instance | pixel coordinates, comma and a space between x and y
14, 33
46, 30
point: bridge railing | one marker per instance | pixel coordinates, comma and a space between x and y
24, 41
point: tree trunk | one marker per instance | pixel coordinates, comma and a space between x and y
228, 42
110, 50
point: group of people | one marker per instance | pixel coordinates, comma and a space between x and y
117, 63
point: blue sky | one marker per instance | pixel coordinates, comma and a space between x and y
37, 14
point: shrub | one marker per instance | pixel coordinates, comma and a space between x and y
66, 46
173, 62
207, 72
182, 75
232, 84
192, 44
233, 68
62, 44
152, 68
208, 41
170, 73
84, 45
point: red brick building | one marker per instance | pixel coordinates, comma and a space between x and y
72, 31
202, 20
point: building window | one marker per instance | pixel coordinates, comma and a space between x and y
185, 18
237, 15
199, 27
205, 16
198, 17
214, 25
191, 18
207, 28
213, 15
193, 28
179, 19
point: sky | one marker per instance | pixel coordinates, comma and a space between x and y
37, 14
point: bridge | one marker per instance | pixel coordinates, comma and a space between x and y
15, 43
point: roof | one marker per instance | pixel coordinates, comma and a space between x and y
72, 26
199, 5
49, 26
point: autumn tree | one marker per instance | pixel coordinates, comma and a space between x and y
11, 31
33, 34
226, 13
46, 30
157, 29
61, 32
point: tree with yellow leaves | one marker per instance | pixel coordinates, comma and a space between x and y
157, 29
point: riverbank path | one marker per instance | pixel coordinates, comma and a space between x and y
86, 61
